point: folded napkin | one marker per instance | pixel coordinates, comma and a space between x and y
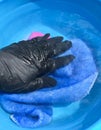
73, 83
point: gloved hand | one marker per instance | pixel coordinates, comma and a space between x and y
25, 65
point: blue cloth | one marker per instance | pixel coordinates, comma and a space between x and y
74, 82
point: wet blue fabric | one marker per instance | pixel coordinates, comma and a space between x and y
73, 83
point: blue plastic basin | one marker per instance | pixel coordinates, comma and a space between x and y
73, 19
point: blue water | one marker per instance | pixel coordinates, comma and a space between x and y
73, 19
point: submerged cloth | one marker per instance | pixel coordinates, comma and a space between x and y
73, 83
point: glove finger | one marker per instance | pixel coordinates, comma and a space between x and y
36, 84
59, 62
46, 36
56, 49
55, 40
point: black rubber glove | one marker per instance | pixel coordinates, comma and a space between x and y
24, 66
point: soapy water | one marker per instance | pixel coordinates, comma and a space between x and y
18, 19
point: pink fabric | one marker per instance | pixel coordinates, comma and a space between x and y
35, 34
